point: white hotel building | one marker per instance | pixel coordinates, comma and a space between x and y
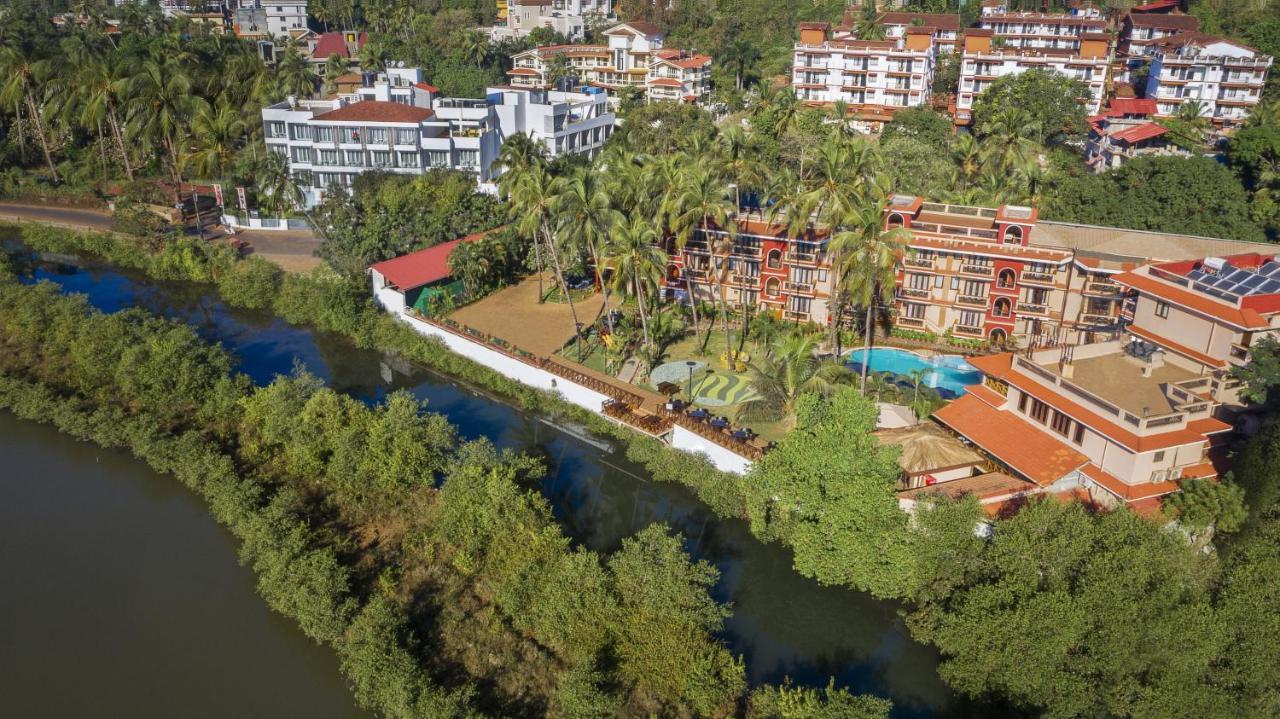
985, 61
869, 75
398, 124
1225, 76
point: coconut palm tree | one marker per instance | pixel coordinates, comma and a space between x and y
1193, 114
294, 75
334, 67
278, 189
701, 204
869, 26
161, 107
216, 132
871, 256
783, 372
519, 155
635, 263
584, 213
474, 47
533, 201
95, 94
23, 76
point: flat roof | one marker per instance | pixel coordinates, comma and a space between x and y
1118, 378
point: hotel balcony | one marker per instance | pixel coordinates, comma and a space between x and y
971, 301
1027, 308
924, 262
1098, 320
914, 293
793, 315
967, 331
800, 288
909, 322
804, 259
1044, 278
1103, 289
1238, 355
746, 251
738, 278
977, 270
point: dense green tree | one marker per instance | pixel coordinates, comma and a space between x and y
1249, 607
1257, 469
1261, 377
788, 702
1054, 102
1196, 196
920, 124
827, 490
1204, 503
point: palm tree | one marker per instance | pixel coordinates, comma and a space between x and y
519, 154
871, 262
784, 372
584, 212
334, 67
294, 75
700, 204
161, 107
216, 132
533, 205
23, 76
869, 26
277, 187
1193, 115
373, 57
740, 56
474, 47
634, 262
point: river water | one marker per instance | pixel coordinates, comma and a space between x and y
782, 624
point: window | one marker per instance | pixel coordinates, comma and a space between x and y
1162, 309
380, 158
969, 318
377, 135
1159, 456
324, 134
328, 157
1039, 411
1007, 278
1022, 402
275, 129
913, 310
355, 158
1079, 436
918, 282
772, 287
955, 283
468, 158
406, 137
1061, 423
438, 158
938, 282
407, 159
300, 132
774, 260
302, 154
975, 289
280, 150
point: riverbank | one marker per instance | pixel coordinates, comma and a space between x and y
853, 626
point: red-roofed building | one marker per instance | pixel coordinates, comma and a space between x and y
1205, 313
343, 44
830, 68
1114, 140
415, 281
1122, 426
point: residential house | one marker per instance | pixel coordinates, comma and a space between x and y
1225, 77
570, 18
418, 280
1117, 426
1125, 131
874, 77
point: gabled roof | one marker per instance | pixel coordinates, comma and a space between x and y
422, 267
1244, 318
375, 111
636, 27
1033, 454
1132, 106
939, 20
1199, 39
1138, 133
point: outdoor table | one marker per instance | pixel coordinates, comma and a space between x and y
741, 435
720, 423
699, 414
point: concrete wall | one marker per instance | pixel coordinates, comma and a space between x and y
722, 458
263, 223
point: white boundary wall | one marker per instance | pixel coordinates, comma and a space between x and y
393, 302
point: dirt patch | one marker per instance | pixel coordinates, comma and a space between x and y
515, 315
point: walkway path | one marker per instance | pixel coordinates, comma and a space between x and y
293, 250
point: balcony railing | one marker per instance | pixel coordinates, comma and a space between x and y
803, 258
926, 262
1239, 353
972, 300
746, 251
913, 292
980, 270
910, 322
1104, 289
1031, 309
740, 279
1098, 320
793, 315
804, 288
967, 330
1033, 276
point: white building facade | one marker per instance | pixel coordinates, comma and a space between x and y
403, 127
1224, 76
570, 18
984, 62
879, 73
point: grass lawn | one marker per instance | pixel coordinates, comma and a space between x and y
592, 355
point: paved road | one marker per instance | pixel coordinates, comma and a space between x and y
292, 250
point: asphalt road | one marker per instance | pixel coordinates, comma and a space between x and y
292, 250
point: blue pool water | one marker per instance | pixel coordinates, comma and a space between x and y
949, 374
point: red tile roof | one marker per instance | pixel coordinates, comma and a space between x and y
939, 20
647, 29
1033, 454
1132, 106
983, 486
375, 111
1165, 22
425, 86
1127, 492
1243, 318
334, 43
666, 82
1139, 133
422, 267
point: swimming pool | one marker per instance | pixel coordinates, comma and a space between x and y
949, 374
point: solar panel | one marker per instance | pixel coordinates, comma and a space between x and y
1271, 286
1196, 275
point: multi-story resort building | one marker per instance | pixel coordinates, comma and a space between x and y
397, 123
634, 58
1224, 76
1140, 32
570, 18
869, 75
986, 60
1042, 31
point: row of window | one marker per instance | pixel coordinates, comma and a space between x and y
378, 159
343, 133
1055, 420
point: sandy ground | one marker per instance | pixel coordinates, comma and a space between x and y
515, 315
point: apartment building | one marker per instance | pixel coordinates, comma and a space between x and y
1205, 314
945, 27
275, 18
634, 57
1101, 421
1140, 32
869, 75
398, 124
1042, 31
1224, 76
570, 18
985, 60
759, 266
